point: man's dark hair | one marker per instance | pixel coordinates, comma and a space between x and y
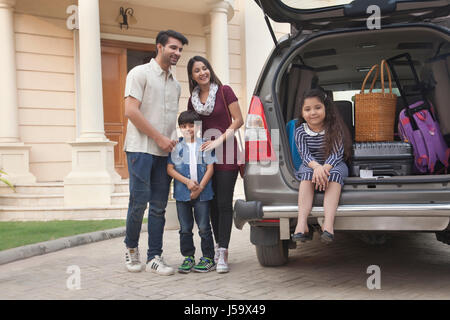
163, 37
188, 116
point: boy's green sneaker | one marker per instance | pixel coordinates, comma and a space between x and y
205, 265
187, 265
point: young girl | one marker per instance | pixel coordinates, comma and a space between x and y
323, 142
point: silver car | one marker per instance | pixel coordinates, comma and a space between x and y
335, 46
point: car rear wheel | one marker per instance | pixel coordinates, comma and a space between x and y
372, 238
272, 256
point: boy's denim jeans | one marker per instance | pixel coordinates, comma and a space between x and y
149, 183
186, 219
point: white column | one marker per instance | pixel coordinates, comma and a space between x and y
9, 121
207, 31
219, 40
14, 155
91, 181
91, 97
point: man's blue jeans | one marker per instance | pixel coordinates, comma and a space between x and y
149, 183
186, 219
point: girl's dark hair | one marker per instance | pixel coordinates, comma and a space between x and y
213, 76
336, 130
188, 116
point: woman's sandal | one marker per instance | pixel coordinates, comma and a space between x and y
302, 237
326, 237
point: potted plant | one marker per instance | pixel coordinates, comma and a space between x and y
5, 181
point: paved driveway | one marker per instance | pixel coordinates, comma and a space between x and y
411, 267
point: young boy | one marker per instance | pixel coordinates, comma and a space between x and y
192, 170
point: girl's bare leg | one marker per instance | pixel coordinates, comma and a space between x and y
305, 200
330, 204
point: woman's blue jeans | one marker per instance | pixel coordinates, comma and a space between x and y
149, 184
186, 218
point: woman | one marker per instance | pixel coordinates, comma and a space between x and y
219, 110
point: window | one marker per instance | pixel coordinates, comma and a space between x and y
315, 4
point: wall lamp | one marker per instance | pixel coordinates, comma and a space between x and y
126, 16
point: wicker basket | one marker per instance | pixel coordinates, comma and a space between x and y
375, 112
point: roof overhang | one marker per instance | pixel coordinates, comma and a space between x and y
202, 7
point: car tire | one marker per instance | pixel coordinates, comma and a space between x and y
272, 256
372, 238
443, 236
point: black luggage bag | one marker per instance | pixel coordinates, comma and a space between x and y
382, 159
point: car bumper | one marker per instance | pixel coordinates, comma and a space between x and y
395, 217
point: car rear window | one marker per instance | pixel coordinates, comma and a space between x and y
320, 4
348, 95
315, 4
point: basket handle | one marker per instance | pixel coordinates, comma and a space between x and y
367, 77
385, 65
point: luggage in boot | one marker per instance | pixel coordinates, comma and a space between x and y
417, 124
345, 109
436, 74
382, 159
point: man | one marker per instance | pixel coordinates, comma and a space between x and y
151, 105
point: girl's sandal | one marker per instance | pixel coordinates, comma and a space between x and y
302, 237
326, 237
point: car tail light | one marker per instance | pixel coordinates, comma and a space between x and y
258, 144
270, 220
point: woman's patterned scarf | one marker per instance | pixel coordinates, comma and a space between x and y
207, 108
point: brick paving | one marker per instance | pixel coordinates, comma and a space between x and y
413, 266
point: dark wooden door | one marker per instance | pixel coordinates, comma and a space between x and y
114, 72
118, 58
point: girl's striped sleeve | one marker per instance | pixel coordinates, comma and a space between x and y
302, 146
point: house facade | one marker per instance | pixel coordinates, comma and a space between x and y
64, 65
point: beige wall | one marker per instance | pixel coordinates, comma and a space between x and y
46, 90
46, 70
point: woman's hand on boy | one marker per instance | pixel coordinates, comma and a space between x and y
212, 144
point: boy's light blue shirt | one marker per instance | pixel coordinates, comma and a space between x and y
180, 159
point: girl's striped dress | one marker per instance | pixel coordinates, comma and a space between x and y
310, 146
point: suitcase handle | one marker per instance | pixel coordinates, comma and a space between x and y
384, 170
390, 172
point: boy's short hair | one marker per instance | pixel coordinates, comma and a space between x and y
163, 37
188, 116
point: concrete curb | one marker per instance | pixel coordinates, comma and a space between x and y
41, 248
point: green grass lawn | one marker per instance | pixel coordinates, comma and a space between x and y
16, 234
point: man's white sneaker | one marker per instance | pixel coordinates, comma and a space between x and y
132, 260
222, 263
159, 266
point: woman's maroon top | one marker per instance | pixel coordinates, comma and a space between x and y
219, 119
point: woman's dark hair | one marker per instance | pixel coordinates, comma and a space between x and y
188, 116
336, 130
213, 76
